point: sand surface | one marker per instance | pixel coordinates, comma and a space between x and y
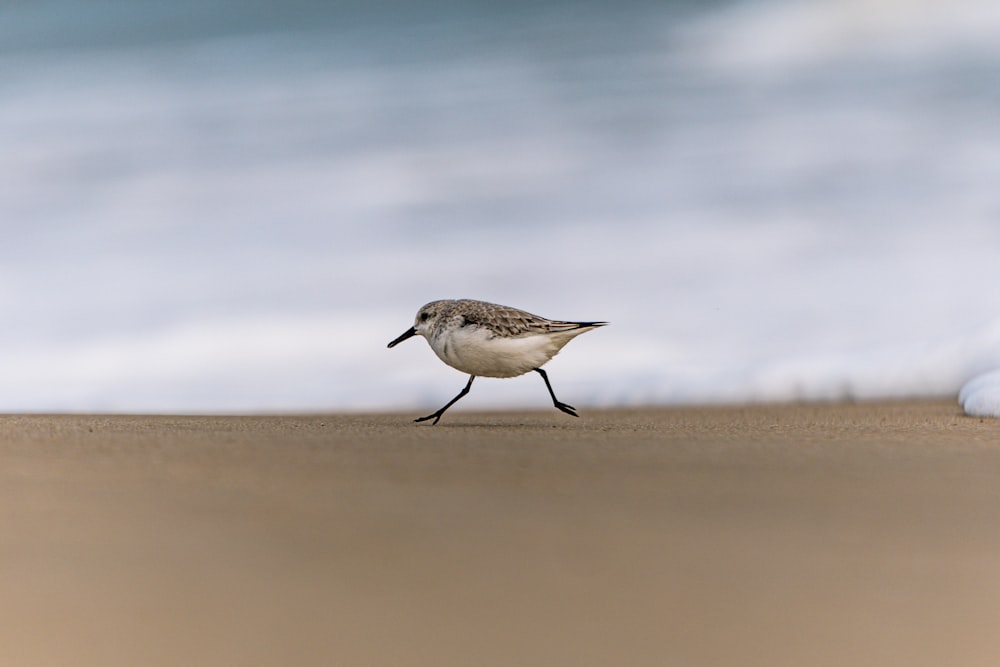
781, 535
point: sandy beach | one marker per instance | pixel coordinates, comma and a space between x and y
861, 534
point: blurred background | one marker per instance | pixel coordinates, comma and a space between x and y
232, 205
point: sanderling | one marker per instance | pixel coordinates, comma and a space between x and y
485, 339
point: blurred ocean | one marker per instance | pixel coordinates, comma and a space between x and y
234, 205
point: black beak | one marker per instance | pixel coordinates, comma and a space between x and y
409, 333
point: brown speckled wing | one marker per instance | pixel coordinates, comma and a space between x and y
507, 321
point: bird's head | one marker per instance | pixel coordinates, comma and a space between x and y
425, 321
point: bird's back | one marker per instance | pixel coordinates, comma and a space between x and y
507, 321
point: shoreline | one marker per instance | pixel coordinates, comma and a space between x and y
777, 534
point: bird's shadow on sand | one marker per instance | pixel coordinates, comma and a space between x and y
539, 425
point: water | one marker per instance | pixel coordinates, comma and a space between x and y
229, 206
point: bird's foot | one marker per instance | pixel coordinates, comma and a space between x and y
436, 417
565, 407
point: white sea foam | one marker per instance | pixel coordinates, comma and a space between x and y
980, 396
773, 38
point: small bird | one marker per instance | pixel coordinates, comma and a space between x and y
484, 339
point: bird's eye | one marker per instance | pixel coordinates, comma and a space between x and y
424, 316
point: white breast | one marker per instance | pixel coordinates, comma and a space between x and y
472, 350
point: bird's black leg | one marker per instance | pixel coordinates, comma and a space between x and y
437, 415
568, 409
